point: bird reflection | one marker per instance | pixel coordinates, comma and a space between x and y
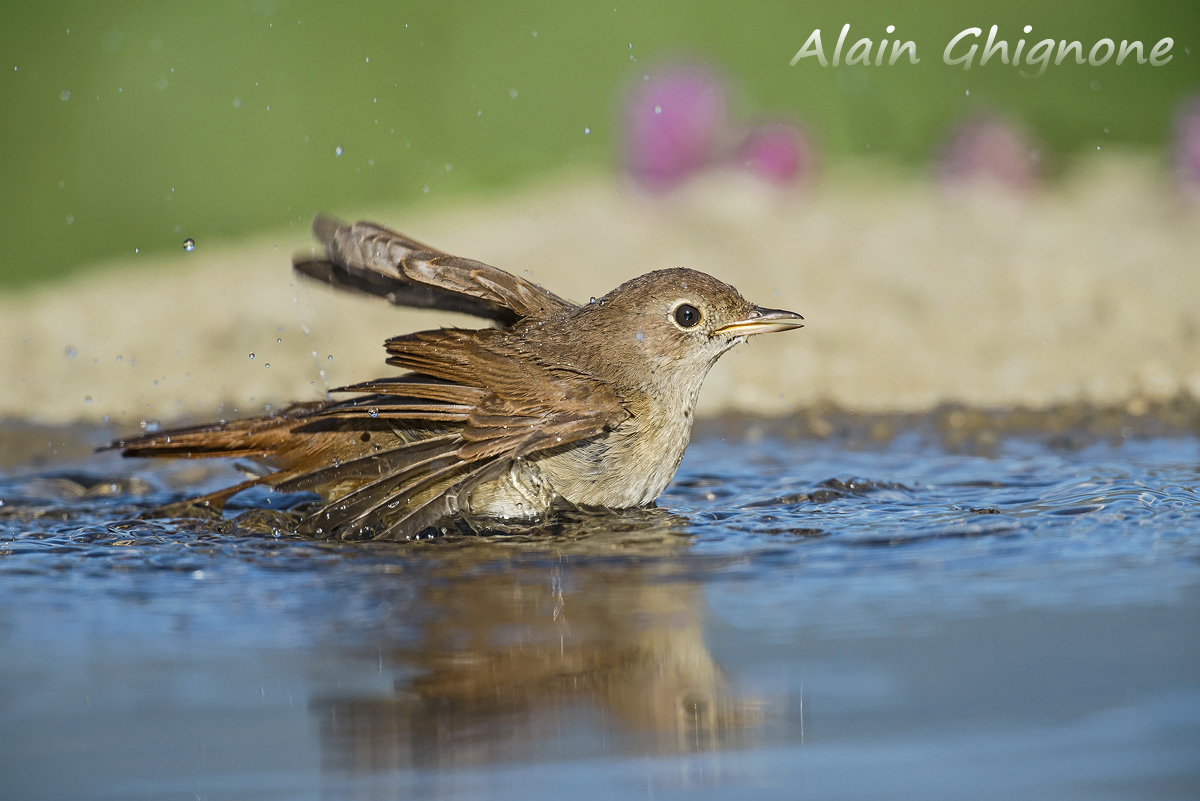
546, 647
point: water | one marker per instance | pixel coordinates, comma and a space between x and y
810, 619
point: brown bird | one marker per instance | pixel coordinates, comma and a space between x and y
588, 405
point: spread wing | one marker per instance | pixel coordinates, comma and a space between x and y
495, 404
406, 453
369, 258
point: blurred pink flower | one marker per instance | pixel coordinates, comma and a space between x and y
673, 124
1187, 143
990, 148
778, 152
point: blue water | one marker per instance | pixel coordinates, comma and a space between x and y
798, 619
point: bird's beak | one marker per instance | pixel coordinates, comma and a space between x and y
763, 321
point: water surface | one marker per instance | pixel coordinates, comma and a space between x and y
800, 618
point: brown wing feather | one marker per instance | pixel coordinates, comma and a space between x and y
413, 385
531, 406
441, 507
508, 422
369, 258
359, 511
399, 458
374, 465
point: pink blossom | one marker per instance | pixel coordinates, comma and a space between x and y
1187, 143
988, 147
778, 152
673, 124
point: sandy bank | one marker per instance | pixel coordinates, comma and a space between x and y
914, 297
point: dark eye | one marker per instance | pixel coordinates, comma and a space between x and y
687, 315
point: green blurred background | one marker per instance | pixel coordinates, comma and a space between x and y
130, 126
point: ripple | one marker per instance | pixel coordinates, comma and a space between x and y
829, 510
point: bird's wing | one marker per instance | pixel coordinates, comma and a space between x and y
523, 408
403, 455
369, 258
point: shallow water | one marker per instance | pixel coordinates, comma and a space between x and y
810, 618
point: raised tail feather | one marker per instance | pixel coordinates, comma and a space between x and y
254, 437
380, 480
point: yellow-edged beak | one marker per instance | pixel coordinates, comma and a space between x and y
763, 321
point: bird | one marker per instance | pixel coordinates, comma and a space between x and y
555, 405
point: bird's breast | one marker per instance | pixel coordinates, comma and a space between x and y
628, 466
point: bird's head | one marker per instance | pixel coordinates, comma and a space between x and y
676, 323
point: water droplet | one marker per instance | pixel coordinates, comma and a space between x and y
512, 93
639, 336
251, 355
64, 95
586, 130
189, 244
591, 300
70, 219
337, 151
373, 412
658, 109
267, 365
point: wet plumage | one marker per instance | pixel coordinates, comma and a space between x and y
589, 404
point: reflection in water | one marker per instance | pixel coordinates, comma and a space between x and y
509, 654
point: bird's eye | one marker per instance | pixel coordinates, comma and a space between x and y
687, 315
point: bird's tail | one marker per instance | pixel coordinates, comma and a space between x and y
253, 437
